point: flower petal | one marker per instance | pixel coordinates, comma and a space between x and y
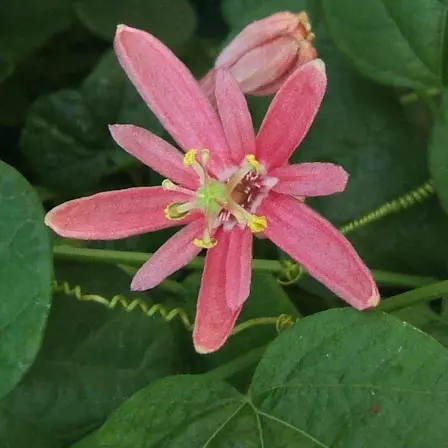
154, 152
238, 267
214, 318
306, 53
171, 92
116, 214
173, 255
257, 33
235, 117
320, 248
310, 179
264, 65
290, 114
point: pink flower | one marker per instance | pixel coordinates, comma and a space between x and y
265, 54
231, 185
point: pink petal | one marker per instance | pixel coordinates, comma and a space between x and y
173, 255
322, 250
235, 117
154, 152
214, 318
264, 65
239, 267
255, 34
310, 179
291, 113
306, 53
116, 214
171, 92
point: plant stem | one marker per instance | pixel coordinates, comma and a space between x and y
237, 364
65, 252
414, 297
138, 258
386, 278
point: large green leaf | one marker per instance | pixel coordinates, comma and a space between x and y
339, 378
92, 358
438, 153
397, 42
25, 276
172, 21
66, 139
27, 24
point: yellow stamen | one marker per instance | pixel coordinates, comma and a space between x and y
257, 223
177, 210
253, 162
205, 243
190, 157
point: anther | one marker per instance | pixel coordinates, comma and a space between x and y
190, 157
169, 185
257, 223
205, 243
177, 210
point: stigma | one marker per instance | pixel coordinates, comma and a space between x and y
228, 203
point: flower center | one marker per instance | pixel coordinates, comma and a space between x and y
223, 203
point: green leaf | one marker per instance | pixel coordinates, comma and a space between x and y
405, 40
28, 24
339, 378
438, 153
92, 358
66, 138
172, 21
25, 276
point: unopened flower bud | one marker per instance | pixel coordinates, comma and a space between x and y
265, 53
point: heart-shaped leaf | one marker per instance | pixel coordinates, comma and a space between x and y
337, 379
25, 276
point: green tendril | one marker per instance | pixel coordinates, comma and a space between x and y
281, 322
399, 204
126, 304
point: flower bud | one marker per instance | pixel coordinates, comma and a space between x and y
265, 53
